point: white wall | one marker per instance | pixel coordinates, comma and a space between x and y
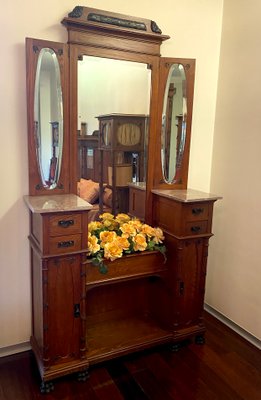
194, 27
234, 273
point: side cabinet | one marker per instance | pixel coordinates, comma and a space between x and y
58, 242
186, 219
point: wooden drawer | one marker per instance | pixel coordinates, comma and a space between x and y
196, 228
196, 212
64, 244
65, 224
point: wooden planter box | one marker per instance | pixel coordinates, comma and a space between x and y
127, 267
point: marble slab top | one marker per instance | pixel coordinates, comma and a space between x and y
186, 195
56, 203
138, 185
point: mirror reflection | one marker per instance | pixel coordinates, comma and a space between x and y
48, 117
173, 133
113, 109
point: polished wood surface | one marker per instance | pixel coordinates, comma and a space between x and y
225, 368
130, 309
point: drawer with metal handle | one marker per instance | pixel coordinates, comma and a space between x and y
65, 224
64, 244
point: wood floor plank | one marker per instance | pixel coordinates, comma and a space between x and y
226, 368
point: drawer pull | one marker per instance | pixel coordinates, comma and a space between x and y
66, 223
195, 229
197, 211
69, 243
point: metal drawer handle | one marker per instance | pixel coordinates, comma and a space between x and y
69, 243
66, 223
197, 211
195, 228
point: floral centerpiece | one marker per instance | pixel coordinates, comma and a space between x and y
114, 237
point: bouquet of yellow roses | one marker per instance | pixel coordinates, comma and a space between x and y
113, 237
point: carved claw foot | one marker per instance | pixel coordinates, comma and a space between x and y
200, 339
82, 376
46, 387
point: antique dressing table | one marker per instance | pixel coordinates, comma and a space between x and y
81, 317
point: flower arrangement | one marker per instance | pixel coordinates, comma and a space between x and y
114, 237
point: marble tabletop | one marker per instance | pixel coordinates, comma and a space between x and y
186, 195
56, 203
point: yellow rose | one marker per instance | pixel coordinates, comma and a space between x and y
158, 236
93, 245
111, 224
106, 216
140, 243
148, 230
107, 237
92, 226
128, 229
123, 242
112, 250
122, 218
136, 224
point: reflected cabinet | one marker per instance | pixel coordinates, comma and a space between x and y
107, 111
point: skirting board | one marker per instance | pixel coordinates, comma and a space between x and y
14, 349
246, 335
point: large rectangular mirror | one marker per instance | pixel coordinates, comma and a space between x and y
113, 96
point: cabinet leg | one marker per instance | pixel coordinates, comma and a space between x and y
46, 387
175, 347
82, 376
200, 339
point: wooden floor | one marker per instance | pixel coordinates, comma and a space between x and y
225, 368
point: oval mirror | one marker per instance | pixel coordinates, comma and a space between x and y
48, 118
173, 130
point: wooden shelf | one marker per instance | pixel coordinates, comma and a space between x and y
109, 339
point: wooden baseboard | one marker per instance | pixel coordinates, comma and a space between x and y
14, 349
232, 325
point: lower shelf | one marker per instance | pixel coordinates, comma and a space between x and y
109, 339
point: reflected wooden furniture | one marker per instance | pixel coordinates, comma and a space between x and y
137, 200
88, 157
122, 155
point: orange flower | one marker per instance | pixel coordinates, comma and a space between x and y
92, 226
112, 250
93, 245
106, 216
107, 237
140, 243
122, 218
148, 230
158, 236
128, 229
123, 242
136, 224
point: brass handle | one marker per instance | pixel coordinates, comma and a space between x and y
69, 243
195, 228
197, 211
66, 223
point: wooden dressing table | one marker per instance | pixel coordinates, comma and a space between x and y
82, 317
